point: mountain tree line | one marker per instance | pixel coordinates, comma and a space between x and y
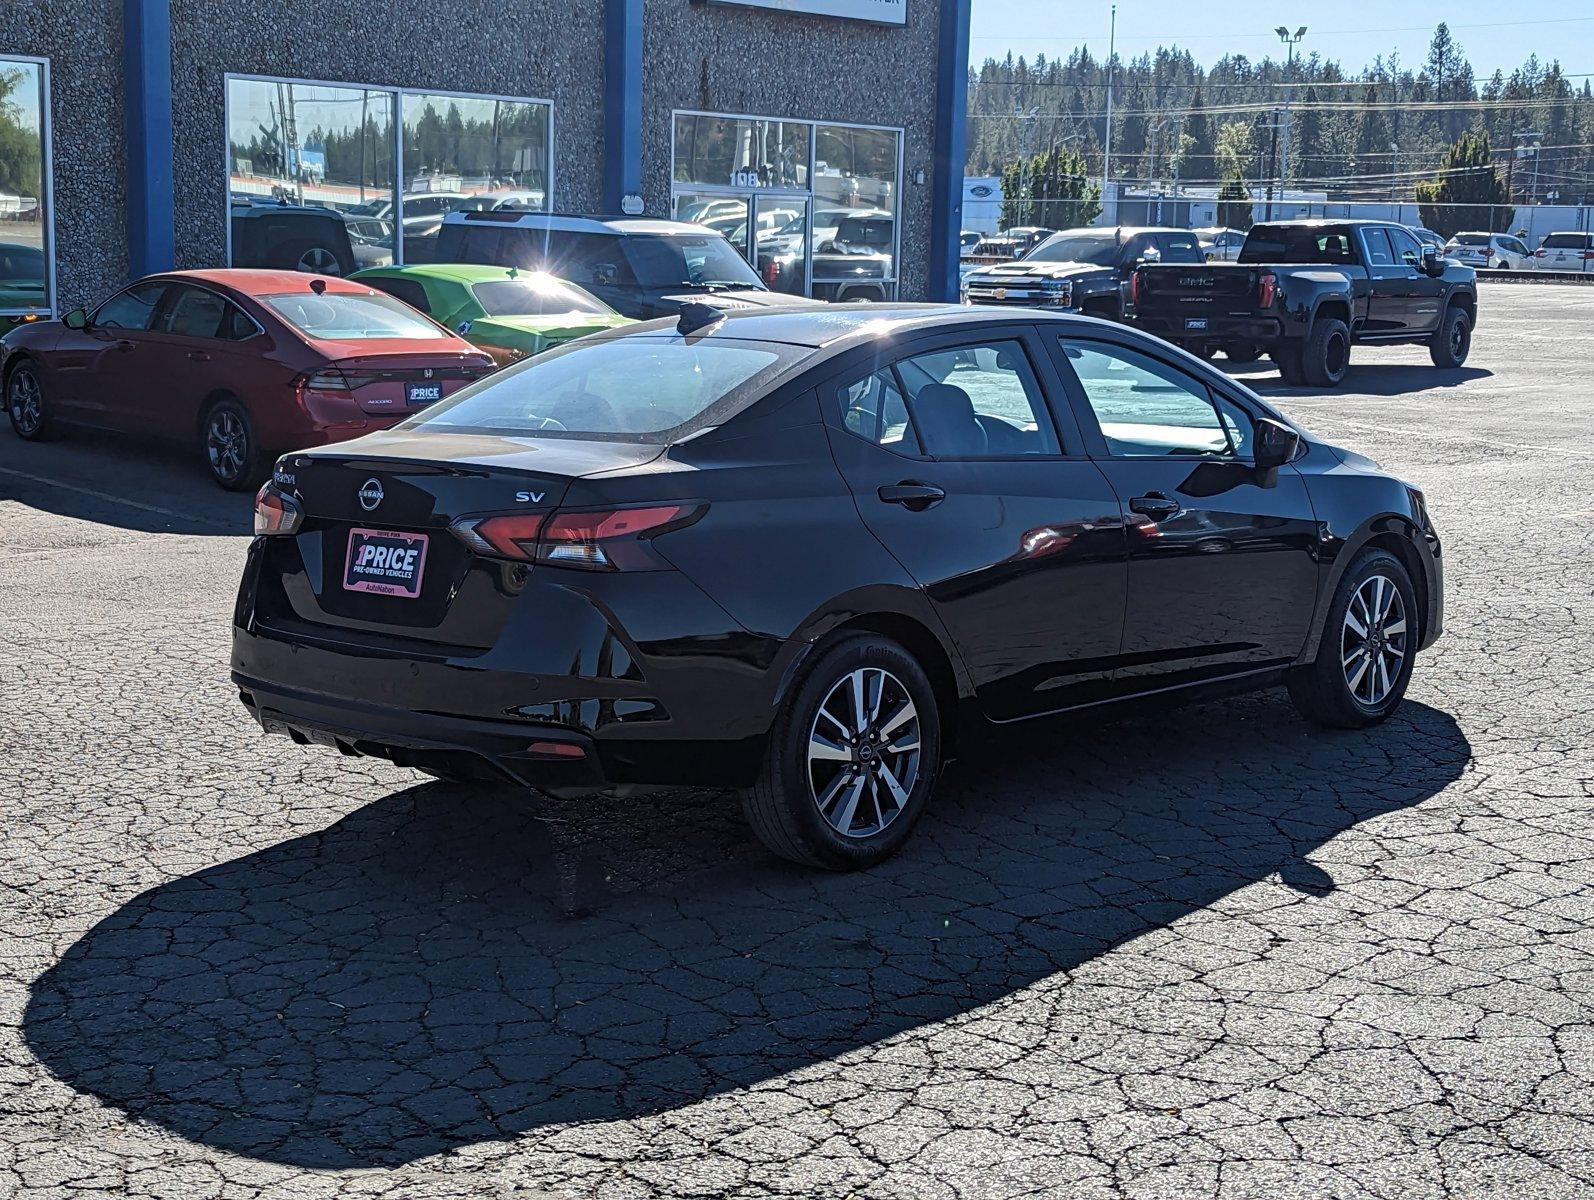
1371, 134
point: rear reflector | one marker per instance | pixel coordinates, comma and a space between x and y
556, 750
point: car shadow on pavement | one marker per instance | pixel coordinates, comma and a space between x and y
1392, 379
444, 967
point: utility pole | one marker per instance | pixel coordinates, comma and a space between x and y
1026, 140
1289, 39
1106, 158
1394, 181
1272, 160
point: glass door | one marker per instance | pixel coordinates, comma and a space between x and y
726, 214
784, 242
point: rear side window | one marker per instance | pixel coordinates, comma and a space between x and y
195, 313
132, 309
593, 391
873, 408
979, 401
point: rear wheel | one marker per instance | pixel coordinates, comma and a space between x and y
1365, 657
853, 758
1325, 358
1452, 341
231, 452
1242, 352
26, 404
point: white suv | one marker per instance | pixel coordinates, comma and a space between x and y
1565, 252
1485, 250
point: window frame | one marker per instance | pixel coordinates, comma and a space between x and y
1090, 425
155, 310
397, 95
46, 183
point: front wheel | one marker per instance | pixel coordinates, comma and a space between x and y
1364, 659
1452, 341
853, 758
231, 452
26, 404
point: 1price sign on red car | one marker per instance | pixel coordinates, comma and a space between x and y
385, 562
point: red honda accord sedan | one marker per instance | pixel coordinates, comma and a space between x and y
242, 364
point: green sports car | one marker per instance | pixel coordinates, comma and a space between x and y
511, 314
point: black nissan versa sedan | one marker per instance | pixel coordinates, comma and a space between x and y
811, 554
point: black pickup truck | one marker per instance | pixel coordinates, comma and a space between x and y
1304, 291
1081, 270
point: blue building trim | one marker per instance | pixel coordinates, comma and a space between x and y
147, 59
622, 103
950, 151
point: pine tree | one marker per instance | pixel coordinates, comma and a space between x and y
1468, 192
1234, 203
1199, 163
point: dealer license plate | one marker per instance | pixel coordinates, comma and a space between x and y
385, 562
1196, 324
423, 393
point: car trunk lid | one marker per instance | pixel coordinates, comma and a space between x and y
395, 382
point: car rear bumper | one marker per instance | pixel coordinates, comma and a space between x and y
1174, 327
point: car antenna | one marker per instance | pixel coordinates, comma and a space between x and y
318, 286
696, 316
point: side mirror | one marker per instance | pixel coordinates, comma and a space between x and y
1275, 444
76, 319
1432, 264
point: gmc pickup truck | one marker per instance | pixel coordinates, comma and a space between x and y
1304, 291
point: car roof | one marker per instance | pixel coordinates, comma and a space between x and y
570, 223
257, 281
450, 272
836, 326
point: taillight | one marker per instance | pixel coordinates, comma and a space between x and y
771, 272
609, 539
1588, 255
1134, 287
276, 515
1267, 290
331, 379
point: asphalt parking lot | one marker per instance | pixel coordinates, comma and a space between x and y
1202, 952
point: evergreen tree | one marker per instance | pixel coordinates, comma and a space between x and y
1468, 192
1234, 203
1199, 164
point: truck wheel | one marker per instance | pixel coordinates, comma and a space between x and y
1288, 360
1452, 340
1326, 355
1242, 352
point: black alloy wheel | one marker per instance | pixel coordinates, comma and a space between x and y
230, 449
1452, 341
26, 404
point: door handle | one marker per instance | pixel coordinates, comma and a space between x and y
124, 344
1154, 505
912, 495
198, 356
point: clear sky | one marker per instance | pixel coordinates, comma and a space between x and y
1492, 34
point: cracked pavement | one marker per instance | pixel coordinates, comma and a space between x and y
1199, 952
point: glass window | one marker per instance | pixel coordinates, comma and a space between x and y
1378, 252
684, 259
1180, 248
1406, 248
537, 295
314, 146
194, 312
740, 152
591, 390
468, 151
131, 309
351, 316
855, 202
1145, 407
978, 401
873, 408
410, 291
24, 190
237, 325
1296, 244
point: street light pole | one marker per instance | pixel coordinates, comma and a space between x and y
1106, 158
1289, 39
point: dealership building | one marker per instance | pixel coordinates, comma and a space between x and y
142, 135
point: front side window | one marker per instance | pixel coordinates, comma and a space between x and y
592, 391
979, 401
131, 309
1146, 408
351, 316
873, 408
1378, 252
1406, 248
24, 189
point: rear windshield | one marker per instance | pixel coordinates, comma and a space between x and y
351, 317
535, 296
1297, 244
636, 389
1471, 239
1096, 249
1566, 241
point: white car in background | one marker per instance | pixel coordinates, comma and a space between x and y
1220, 245
1485, 251
1571, 251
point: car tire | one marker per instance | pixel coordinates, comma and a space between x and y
1359, 679
232, 453
1452, 341
1288, 360
27, 405
1242, 352
825, 796
1325, 358
312, 258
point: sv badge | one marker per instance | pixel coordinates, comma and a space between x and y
530, 497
